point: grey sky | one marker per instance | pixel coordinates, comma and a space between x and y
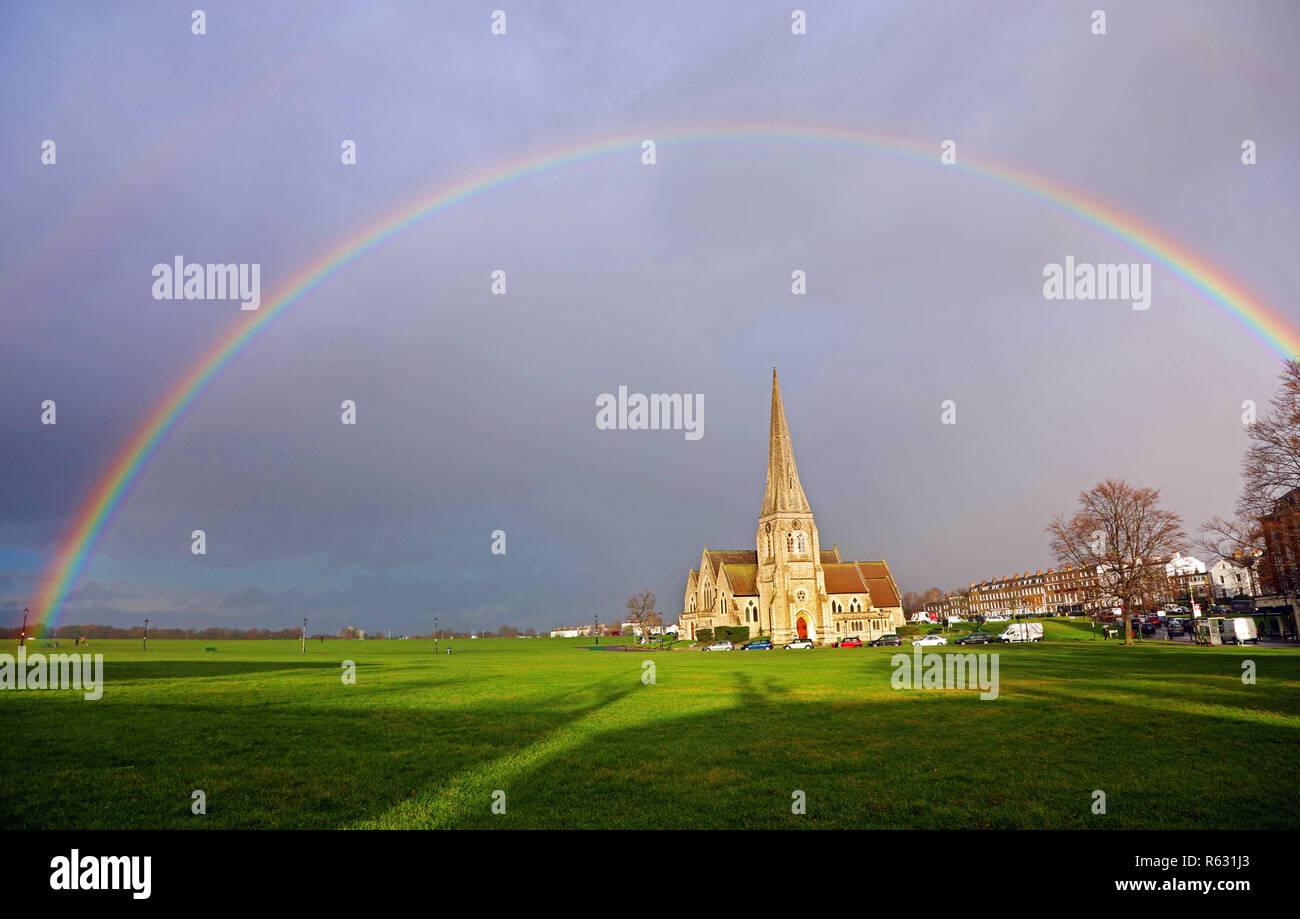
477, 413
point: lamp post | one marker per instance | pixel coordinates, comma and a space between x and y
304, 635
144, 646
596, 631
435, 636
22, 636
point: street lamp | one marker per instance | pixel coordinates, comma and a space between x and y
22, 636
596, 630
145, 644
435, 636
304, 635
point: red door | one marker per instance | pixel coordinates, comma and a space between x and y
802, 625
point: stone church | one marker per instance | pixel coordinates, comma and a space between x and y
789, 586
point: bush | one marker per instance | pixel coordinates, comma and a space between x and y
907, 631
732, 633
704, 636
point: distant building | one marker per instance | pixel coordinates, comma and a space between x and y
1232, 577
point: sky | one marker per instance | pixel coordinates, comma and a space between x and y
476, 412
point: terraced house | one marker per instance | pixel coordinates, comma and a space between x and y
789, 586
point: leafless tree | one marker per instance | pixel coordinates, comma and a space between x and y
641, 612
1270, 473
1271, 466
1121, 531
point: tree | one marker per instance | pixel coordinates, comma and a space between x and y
1270, 477
1120, 531
641, 612
1271, 466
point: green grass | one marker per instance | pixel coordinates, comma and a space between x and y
575, 739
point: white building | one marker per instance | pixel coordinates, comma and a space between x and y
1230, 578
1180, 565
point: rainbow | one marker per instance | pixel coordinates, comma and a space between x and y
73, 552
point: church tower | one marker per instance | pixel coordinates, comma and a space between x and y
791, 584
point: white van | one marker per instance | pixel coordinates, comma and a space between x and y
1022, 631
1239, 631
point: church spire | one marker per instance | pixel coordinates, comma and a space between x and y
784, 493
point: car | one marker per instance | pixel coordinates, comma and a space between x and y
998, 619
851, 641
930, 640
720, 646
975, 638
1175, 627
1148, 627
890, 639
757, 644
799, 644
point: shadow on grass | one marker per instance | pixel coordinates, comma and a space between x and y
173, 670
620, 754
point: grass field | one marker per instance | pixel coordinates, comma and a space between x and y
575, 739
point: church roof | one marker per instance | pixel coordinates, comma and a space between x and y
843, 579
884, 592
732, 557
744, 580
830, 556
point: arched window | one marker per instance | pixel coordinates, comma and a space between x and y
855, 606
835, 607
789, 542
751, 612
803, 546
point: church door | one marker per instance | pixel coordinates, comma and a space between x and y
802, 626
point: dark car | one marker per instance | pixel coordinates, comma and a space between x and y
1176, 627
890, 639
758, 644
849, 642
975, 638
1148, 627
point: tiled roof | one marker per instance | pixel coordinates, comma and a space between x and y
830, 557
744, 580
843, 579
732, 557
881, 584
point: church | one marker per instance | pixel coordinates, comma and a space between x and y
789, 586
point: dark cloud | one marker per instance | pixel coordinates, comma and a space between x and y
476, 413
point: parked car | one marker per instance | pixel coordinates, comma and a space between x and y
799, 644
1147, 627
757, 644
1176, 627
720, 646
851, 641
890, 639
975, 638
998, 619
930, 640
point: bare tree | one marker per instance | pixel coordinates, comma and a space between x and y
641, 612
1120, 531
1270, 474
1271, 466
